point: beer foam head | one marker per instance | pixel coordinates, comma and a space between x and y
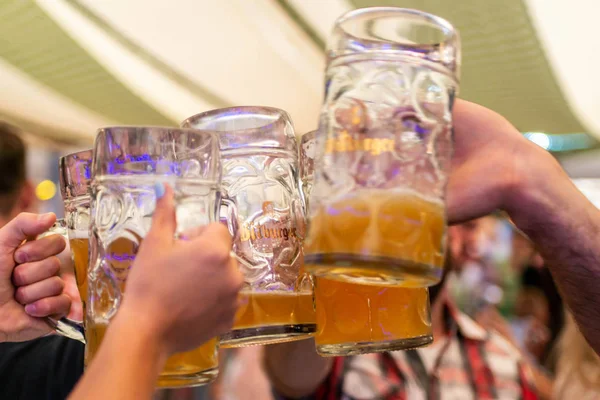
78, 234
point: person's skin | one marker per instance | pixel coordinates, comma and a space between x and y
495, 167
31, 289
179, 295
24, 201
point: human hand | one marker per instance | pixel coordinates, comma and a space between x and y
29, 286
183, 291
491, 164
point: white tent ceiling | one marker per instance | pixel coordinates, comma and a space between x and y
68, 67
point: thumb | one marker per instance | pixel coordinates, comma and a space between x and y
163, 221
24, 226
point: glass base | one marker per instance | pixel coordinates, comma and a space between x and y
174, 381
267, 335
356, 348
372, 270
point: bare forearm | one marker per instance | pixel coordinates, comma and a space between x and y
565, 227
126, 366
295, 369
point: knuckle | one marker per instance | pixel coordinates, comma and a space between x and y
19, 276
59, 243
218, 254
53, 266
220, 232
21, 295
57, 284
43, 307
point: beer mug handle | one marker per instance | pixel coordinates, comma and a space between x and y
228, 215
67, 328
64, 326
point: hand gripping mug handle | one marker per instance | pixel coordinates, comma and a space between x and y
65, 327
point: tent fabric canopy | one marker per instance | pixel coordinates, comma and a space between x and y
68, 67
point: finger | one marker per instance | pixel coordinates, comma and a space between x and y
219, 233
214, 244
163, 220
30, 273
57, 306
37, 250
23, 227
192, 233
50, 287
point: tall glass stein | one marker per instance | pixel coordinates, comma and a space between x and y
75, 178
265, 215
356, 318
74, 175
383, 155
128, 162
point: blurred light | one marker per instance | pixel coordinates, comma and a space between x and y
562, 142
45, 190
541, 139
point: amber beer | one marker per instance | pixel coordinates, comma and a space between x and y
273, 309
190, 368
79, 249
378, 237
196, 364
357, 319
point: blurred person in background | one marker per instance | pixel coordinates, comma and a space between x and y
539, 304
578, 366
48, 367
17, 194
465, 361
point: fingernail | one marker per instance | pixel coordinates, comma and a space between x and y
30, 309
21, 257
159, 189
45, 217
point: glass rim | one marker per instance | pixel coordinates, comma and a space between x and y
448, 28
267, 115
154, 128
445, 50
219, 112
150, 131
71, 188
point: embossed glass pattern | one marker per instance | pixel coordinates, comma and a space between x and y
75, 178
356, 318
128, 161
264, 212
383, 149
74, 173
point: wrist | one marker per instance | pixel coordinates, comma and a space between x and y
142, 327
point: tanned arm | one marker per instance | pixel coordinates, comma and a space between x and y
140, 355
565, 226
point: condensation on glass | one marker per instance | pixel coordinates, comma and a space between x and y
383, 149
264, 212
128, 162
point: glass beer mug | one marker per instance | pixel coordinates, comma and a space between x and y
264, 212
356, 318
128, 161
74, 175
383, 154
